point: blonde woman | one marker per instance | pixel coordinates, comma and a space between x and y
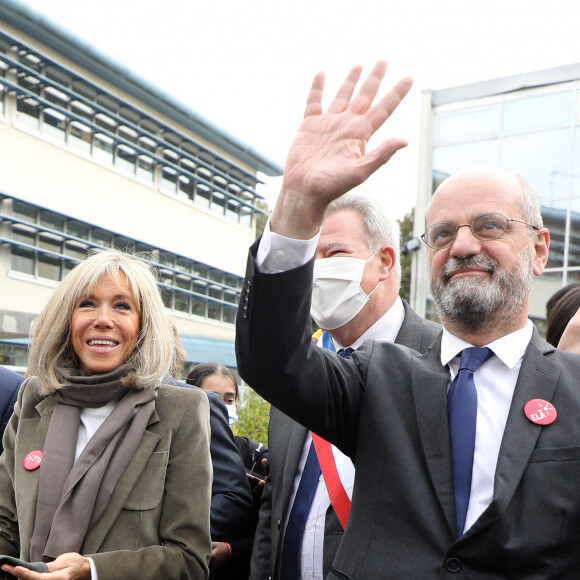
106, 471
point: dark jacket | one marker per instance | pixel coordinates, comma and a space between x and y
286, 439
9, 384
232, 509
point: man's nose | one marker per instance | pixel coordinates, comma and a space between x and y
465, 243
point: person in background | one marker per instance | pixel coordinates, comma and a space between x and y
230, 560
9, 384
358, 246
106, 471
232, 506
562, 312
557, 295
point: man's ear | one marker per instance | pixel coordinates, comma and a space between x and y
388, 261
541, 251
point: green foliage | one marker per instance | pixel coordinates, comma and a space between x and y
406, 225
254, 414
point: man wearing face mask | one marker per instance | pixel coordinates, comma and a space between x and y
355, 297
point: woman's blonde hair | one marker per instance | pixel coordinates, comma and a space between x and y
51, 344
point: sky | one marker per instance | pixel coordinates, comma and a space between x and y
247, 66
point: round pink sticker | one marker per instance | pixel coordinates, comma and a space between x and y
32, 460
540, 412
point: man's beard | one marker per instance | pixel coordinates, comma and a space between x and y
473, 301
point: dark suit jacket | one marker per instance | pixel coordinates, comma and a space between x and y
386, 407
286, 440
9, 383
232, 507
157, 522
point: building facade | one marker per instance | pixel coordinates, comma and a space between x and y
528, 124
93, 157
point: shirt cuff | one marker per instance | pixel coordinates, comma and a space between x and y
94, 575
278, 253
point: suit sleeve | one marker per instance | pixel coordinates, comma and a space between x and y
9, 385
232, 508
9, 531
278, 359
260, 562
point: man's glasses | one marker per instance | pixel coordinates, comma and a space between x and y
490, 226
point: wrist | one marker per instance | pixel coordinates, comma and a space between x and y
230, 551
296, 216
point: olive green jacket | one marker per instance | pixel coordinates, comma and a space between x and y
157, 522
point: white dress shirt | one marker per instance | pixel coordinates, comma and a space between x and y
495, 381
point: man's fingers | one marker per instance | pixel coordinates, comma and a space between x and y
369, 89
346, 91
385, 107
375, 159
314, 101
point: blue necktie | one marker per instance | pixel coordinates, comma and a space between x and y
292, 547
462, 413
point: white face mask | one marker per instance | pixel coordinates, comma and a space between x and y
232, 414
337, 295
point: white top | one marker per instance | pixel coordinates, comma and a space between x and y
91, 420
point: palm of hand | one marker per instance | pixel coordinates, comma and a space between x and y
328, 156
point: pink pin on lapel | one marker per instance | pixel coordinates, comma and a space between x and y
33, 460
540, 412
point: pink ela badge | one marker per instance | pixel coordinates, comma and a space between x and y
32, 460
540, 412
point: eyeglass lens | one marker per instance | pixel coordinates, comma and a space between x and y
485, 227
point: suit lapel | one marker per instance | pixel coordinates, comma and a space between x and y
409, 334
33, 438
430, 381
123, 488
295, 434
537, 380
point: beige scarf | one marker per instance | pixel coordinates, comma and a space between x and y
72, 496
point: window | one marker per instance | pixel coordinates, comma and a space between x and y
80, 137
538, 112
76, 113
50, 246
54, 124
28, 112
49, 267
145, 168
466, 124
169, 179
22, 260
126, 158
103, 147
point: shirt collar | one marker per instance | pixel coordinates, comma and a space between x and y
385, 328
509, 348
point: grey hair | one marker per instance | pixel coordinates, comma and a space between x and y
379, 229
529, 203
51, 342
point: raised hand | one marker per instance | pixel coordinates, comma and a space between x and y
328, 156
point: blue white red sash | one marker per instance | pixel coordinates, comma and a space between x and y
338, 495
